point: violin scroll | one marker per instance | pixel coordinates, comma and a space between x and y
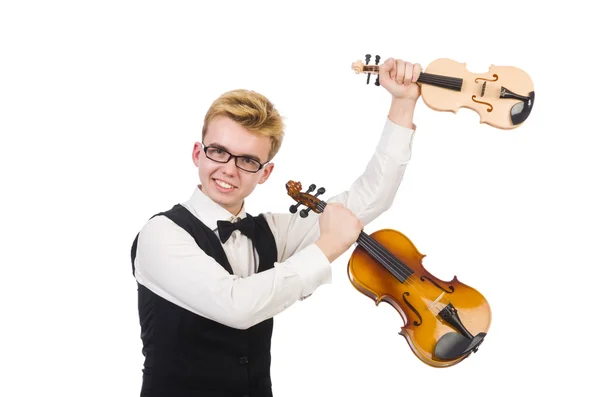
311, 202
358, 66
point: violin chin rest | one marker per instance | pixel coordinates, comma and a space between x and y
454, 345
521, 110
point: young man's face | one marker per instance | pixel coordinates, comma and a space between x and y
224, 183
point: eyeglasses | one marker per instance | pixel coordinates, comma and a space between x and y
223, 156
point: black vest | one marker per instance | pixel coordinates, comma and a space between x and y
187, 355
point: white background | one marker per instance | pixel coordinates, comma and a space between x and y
101, 102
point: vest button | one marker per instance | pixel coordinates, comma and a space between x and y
243, 360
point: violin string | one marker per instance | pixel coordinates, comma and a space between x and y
383, 255
428, 78
452, 82
446, 80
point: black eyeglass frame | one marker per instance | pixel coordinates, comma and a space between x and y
205, 149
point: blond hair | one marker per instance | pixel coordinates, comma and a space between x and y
252, 111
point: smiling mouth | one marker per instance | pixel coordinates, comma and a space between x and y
224, 184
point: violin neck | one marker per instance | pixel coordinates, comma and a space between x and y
379, 253
451, 83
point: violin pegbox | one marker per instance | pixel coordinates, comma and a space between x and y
359, 67
311, 202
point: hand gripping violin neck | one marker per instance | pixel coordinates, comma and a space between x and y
444, 322
503, 97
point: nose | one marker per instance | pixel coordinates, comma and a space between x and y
229, 167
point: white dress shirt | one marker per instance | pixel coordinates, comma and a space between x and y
170, 263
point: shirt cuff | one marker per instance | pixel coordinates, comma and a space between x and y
313, 268
396, 141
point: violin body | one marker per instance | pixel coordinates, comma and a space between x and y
503, 96
421, 299
488, 94
444, 321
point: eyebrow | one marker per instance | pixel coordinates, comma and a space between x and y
250, 156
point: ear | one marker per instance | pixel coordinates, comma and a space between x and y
196, 152
266, 173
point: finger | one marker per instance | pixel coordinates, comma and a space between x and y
386, 69
386, 66
393, 69
408, 72
417, 69
400, 71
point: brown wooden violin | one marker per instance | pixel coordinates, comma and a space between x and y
503, 97
444, 322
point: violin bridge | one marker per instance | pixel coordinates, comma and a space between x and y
436, 304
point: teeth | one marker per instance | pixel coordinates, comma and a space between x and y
224, 184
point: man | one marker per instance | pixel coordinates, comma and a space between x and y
208, 291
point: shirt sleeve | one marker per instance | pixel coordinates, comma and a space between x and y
172, 265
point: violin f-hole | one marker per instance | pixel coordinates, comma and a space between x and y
483, 78
490, 107
416, 323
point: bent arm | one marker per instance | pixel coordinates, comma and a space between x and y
170, 264
371, 194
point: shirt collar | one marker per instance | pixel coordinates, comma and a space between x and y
208, 211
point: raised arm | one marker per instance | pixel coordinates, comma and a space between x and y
373, 192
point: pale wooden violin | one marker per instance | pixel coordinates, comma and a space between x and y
444, 321
503, 97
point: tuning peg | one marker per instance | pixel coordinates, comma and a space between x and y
304, 212
377, 58
367, 59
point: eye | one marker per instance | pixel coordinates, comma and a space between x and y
248, 160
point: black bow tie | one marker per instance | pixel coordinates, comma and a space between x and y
245, 226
